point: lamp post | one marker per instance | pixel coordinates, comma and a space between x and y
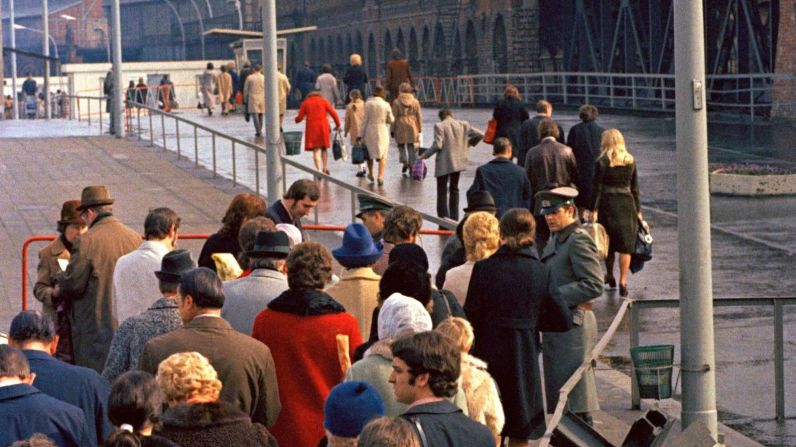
201, 25
13, 59
236, 5
49, 37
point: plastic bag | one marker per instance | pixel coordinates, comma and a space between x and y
419, 170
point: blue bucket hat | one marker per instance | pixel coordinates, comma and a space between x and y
358, 249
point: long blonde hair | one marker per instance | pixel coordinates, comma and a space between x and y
612, 147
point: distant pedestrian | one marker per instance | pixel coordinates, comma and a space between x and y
549, 165
283, 85
529, 132
244, 73
356, 78
506, 182
584, 139
317, 134
29, 87
397, 72
407, 126
305, 80
326, 84
207, 85
107, 90
236, 87
130, 95
354, 113
452, 149
616, 204
141, 92
375, 132
254, 98
241, 209
510, 112
225, 89
166, 94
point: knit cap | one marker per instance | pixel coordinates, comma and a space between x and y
399, 314
349, 407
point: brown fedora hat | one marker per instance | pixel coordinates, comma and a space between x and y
70, 213
94, 196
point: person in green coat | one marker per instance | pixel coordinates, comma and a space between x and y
578, 277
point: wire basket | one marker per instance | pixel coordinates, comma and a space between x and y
292, 143
653, 368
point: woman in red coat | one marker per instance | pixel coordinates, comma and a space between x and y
317, 136
311, 339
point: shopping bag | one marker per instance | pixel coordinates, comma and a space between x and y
359, 154
491, 130
239, 98
419, 170
643, 251
338, 147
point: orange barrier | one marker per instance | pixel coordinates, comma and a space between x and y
48, 238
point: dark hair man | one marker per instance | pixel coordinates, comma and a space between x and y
87, 284
425, 370
298, 201
401, 226
507, 183
135, 288
529, 132
244, 365
161, 317
34, 333
584, 138
25, 410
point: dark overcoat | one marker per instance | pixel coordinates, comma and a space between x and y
88, 285
529, 137
445, 425
616, 198
504, 301
578, 278
507, 182
244, 365
510, 113
584, 139
25, 411
212, 424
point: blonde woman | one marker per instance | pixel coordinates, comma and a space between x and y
354, 112
483, 399
196, 417
356, 78
615, 203
481, 237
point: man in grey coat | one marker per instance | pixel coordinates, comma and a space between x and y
577, 277
247, 297
452, 148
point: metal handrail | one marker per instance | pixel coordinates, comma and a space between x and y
354, 190
569, 385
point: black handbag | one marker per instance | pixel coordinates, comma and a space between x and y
359, 154
338, 146
643, 250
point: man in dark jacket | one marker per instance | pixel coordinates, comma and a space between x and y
24, 410
304, 80
529, 133
425, 370
244, 365
298, 201
507, 183
34, 333
549, 165
584, 139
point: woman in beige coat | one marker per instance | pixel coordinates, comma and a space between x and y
224, 81
354, 113
407, 125
375, 131
254, 94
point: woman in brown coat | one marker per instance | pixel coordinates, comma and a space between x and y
407, 125
398, 72
354, 112
70, 227
224, 81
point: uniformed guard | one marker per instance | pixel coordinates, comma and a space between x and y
372, 211
578, 278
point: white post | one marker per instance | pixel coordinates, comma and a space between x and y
13, 42
116, 27
693, 223
272, 155
45, 33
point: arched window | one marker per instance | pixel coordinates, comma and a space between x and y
500, 53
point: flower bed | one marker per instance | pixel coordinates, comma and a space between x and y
752, 180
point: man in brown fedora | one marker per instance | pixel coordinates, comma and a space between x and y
70, 227
88, 280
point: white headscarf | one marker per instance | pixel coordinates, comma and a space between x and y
399, 314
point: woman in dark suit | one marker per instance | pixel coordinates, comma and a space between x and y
615, 203
510, 112
505, 322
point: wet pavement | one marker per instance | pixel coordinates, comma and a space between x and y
752, 243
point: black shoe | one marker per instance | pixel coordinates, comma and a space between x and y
611, 281
405, 169
623, 290
361, 174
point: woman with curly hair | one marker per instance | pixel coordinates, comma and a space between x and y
196, 417
481, 238
311, 338
244, 207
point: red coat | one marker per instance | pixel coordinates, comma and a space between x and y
307, 366
317, 132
